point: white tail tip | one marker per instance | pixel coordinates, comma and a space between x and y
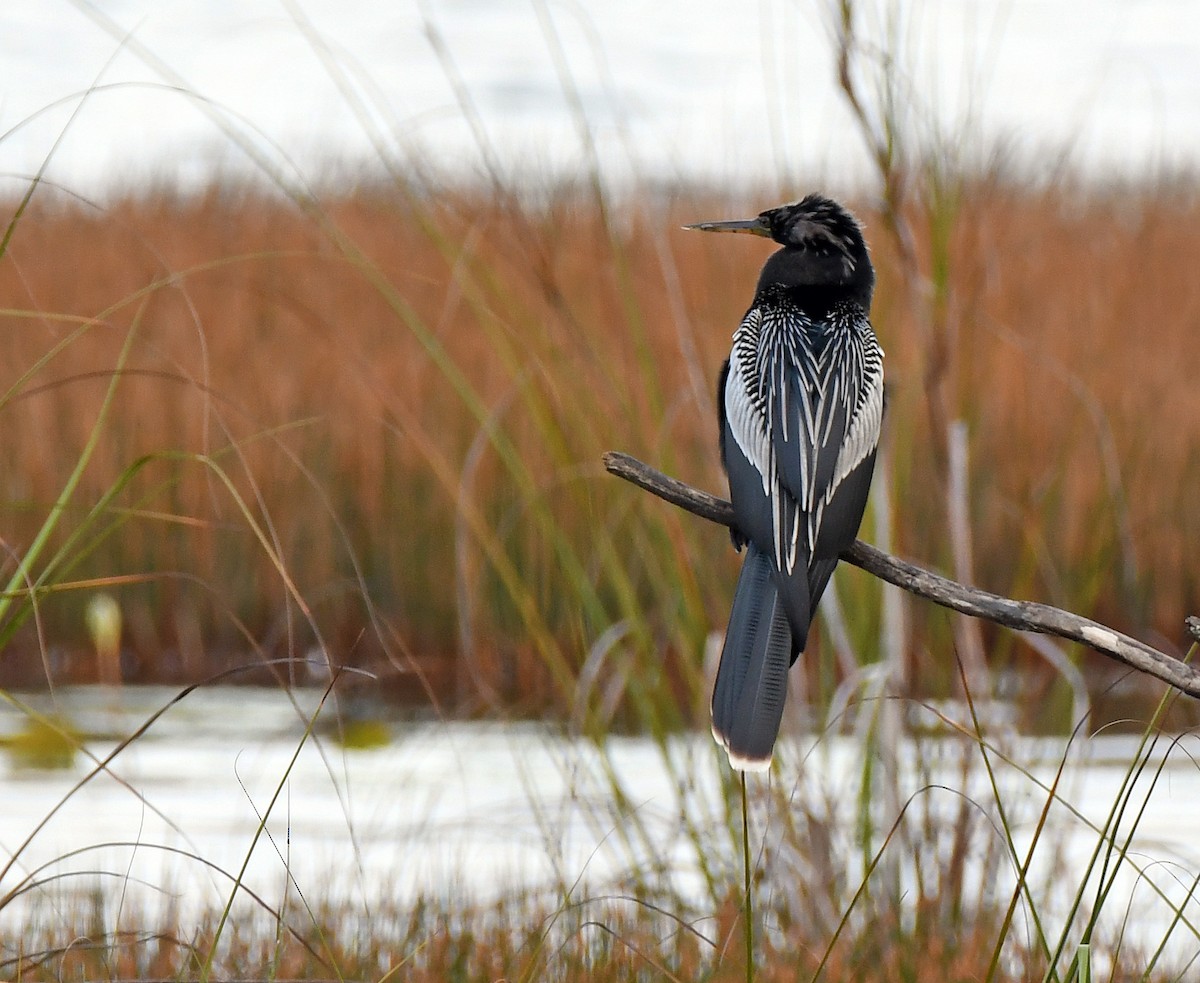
738, 763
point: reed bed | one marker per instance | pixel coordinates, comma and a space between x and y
368, 425
594, 942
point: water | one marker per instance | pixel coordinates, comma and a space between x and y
697, 89
470, 811
444, 809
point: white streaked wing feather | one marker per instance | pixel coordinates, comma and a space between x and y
771, 359
747, 423
863, 434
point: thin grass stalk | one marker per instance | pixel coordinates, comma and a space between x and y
880, 773
466, 584
207, 968
1106, 444
863, 889
1122, 851
1021, 889
101, 766
510, 577
627, 822
34, 881
60, 346
1175, 921
697, 832
747, 887
893, 640
74, 550
1083, 962
1053, 798
542, 934
1104, 841
966, 630
30, 557
470, 113
36, 181
625, 291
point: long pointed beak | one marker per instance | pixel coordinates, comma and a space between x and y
753, 226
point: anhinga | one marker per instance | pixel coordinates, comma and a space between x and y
800, 404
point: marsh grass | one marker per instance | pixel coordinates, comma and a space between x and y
415, 403
423, 943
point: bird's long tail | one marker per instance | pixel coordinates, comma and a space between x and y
751, 682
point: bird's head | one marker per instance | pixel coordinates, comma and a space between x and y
822, 242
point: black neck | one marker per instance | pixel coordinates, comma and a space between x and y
817, 282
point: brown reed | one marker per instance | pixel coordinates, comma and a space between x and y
412, 393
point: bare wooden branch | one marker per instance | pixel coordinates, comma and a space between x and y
1021, 615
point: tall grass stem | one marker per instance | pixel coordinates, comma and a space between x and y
747, 886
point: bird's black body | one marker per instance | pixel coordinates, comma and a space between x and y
800, 402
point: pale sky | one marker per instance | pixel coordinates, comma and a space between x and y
704, 89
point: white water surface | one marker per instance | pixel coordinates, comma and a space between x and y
728, 93
468, 812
